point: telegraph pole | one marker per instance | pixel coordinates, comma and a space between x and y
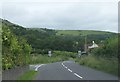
85, 46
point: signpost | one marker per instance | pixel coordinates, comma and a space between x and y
79, 53
49, 53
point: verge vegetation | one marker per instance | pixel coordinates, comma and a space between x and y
103, 64
29, 75
105, 58
57, 56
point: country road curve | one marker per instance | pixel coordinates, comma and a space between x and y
69, 70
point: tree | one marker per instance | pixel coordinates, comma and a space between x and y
16, 50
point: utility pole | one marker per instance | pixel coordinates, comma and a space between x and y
85, 46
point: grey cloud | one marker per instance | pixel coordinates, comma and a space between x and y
95, 16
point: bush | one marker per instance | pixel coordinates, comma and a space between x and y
64, 54
110, 49
15, 50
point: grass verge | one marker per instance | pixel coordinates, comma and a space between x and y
103, 64
44, 59
29, 75
57, 56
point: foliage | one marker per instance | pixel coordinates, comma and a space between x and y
15, 50
40, 59
0, 47
64, 54
109, 49
104, 58
56, 57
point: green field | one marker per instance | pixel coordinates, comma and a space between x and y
80, 32
75, 32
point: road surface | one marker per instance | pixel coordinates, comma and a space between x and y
69, 70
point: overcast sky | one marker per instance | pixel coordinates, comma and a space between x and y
63, 14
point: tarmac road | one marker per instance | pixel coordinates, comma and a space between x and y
69, 70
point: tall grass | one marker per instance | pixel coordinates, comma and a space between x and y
40, 59
57, 56
103, 64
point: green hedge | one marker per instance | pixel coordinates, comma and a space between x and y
15, 50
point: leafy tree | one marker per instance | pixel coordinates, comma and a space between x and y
110, 48
15, 51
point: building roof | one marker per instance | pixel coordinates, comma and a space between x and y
94, 45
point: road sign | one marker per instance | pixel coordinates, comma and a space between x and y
49, 53
79, 53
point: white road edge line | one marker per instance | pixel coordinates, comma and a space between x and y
78, 75
37, 67
63, 64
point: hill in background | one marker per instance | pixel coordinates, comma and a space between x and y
43, 39
76, 32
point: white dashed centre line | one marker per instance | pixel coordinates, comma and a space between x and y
65, 67
78, 75
71, 71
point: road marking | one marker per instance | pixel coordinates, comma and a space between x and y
78, 75
63, 64
65, 67
37, 67
71, 71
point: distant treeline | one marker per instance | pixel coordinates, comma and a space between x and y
42, 39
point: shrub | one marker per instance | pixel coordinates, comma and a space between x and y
110, 49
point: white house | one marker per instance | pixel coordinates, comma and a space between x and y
93, 45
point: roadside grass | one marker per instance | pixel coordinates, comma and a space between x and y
40, 59
29, 75
103, 64
109, 65
56, 57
